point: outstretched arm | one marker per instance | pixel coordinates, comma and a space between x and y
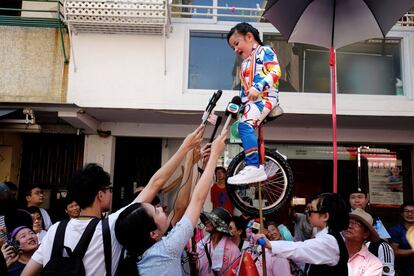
184, 191
158, 180
203, 186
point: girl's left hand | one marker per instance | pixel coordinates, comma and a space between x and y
252, 94
262, 236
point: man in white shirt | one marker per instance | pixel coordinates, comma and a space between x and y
35, 197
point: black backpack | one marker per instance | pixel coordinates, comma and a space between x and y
72, 265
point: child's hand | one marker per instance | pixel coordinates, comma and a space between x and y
262, 236
252, 94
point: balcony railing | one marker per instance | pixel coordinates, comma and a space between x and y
253, 14
32, 13
118, 16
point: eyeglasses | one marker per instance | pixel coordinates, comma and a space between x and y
408, 211
308, 212
110, 188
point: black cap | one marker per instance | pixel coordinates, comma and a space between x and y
358, 190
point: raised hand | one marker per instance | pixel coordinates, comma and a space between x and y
218, 145
194, 138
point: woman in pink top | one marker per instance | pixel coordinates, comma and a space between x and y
216, 252
275, 266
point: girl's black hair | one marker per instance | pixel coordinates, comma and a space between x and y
241, 224
133, 231
335, 206
244, 28
33, 210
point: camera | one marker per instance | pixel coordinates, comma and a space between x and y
15, 245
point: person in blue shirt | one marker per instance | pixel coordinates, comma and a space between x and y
403, 251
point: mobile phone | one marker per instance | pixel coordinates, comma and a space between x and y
15, 245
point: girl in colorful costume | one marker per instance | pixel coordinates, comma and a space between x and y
259, 74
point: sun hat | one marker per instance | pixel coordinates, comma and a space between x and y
366, 219
219, 217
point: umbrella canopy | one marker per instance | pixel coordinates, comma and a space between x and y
334, 23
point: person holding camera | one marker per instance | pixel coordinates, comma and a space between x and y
18, 250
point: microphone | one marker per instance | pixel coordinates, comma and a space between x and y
216, 126
232, 109
210, 106
255, 226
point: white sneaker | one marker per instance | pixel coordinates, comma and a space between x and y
250, 174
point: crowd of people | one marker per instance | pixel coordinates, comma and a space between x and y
329, 237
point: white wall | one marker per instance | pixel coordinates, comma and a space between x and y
101, 151
127, 71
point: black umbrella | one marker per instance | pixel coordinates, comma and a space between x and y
333, 24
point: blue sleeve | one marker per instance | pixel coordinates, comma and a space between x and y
395, 234
177, 238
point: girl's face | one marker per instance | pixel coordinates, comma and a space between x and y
37, 222
242, 45
274, 233
160, 218
234, 232
28, 240
317, 219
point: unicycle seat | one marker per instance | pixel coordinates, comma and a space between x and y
274, 114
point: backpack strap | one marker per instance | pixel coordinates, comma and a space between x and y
106, 233
57, 248
85, 240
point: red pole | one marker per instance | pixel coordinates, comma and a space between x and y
332, 64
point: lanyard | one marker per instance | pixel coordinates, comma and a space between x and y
252, 64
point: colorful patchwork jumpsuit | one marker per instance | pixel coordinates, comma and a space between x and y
261, 71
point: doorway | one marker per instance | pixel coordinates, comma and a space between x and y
136, 160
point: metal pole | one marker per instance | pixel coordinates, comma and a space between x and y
261, 230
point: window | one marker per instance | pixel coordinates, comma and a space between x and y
212, 62
305, 68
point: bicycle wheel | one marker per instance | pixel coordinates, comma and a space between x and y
276, 190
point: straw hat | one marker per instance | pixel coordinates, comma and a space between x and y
366, 219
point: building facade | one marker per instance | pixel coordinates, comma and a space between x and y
121, 83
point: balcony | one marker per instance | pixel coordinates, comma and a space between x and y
118, 16
32, 13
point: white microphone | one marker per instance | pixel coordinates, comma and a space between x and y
232, 109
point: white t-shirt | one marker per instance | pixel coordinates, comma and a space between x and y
46, 218
94, 259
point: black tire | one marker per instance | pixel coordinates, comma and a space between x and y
276, 190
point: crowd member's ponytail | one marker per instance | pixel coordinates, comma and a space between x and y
244, 28
133, 231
